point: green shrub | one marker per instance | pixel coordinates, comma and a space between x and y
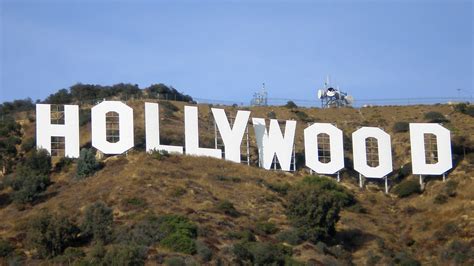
50, 234
28, 145
401, 127
271, 115
98, 222
227, 208
153, 229
70, 255
435, 117
244, 235
291, 105
31, 177
291, 237
313, 207
6, 248
86, 164
180, 242
261, 253
29, 187
342, 195
457, 252
159, 155
407, 188
125, 255
204, 252
266, 228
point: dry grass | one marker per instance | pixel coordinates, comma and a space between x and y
193, 186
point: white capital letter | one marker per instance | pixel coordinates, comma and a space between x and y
70, 130
232, 137
384, 152
99, 131
417, 142
273, 143
335, 145
152, 130
191, 135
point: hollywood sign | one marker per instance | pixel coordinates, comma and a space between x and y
270, 141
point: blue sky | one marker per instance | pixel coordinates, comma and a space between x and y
226, 49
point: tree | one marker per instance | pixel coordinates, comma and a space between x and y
86, 164
291, 105
313, 207
51, 234
31, 177
98, 222
10, 137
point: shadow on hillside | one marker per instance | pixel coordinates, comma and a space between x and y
45, 197
4, 200
353, 239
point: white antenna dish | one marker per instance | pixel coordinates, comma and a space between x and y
331, 93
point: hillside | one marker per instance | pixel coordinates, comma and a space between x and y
380, 229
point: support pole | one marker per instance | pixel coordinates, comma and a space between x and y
444, 177
361, 184
386, 185
248, 145
421, 181
338, 177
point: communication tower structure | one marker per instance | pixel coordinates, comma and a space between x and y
331, 97
260, 98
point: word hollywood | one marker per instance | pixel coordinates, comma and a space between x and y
271, 142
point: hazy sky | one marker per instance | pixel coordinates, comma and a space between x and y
226, 49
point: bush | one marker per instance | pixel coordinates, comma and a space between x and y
271, 115
407, 188
153, 229
203, 251
31, 178
290, 236
98, 222
6, 248
51, 234
244, 235
227, 208
266, 228
435, 117
457, 252
84, 116
344, 197
401, 127
261, 253
70, 255
313, 207
291, 104
280, 188
180, 242
28, 145
125, 255
159, 155
86, 164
